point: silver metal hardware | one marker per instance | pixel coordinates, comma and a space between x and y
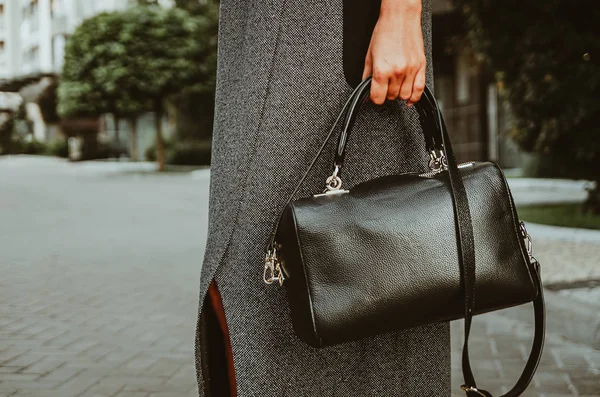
528, 242
331, 192
431, 173
437, 160
334, 182
472, 389
272, 271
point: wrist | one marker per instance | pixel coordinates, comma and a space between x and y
400, 7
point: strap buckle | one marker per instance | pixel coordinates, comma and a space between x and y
472, 389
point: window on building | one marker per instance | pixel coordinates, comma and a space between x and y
57, 8
58, 52
35, 19
31, 60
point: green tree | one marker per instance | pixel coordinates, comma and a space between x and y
97, 77
547, 58
165, 49
191, 123
7, 122
47, 101
129, 62
197, 7
82, 92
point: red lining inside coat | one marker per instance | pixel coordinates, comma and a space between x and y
217, 304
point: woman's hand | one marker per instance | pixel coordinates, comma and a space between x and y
396, 55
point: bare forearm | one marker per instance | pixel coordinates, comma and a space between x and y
396, 7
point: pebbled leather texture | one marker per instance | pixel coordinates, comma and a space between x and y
340, 291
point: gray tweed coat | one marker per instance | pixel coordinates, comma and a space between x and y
280, 84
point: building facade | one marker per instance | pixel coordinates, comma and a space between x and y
33, 33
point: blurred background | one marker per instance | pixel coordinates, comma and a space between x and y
105, 131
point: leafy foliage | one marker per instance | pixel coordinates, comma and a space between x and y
172, 54
197, 7
47, 101
164, 48
91, 68
58, 148
133, 61
547, 57
184, 152
192, 124
15, 132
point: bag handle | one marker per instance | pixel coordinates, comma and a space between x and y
430, 113
429, 124
427, 118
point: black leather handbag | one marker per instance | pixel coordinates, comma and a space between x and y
405, 250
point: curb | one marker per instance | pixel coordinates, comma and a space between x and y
549, 184
562, 233
574, 320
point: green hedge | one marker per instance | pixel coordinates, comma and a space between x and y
566, 215
58, 148
184, 153
20, 146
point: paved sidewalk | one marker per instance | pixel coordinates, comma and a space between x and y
548, 191
499, 347
566, 255
99, 283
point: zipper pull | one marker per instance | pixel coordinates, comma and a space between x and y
272, 271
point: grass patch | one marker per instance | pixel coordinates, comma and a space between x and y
567, 215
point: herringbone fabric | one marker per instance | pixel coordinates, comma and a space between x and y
280, 85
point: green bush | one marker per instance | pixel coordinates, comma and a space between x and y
189, 153
183, 152
105, 150
58, 148
11, 146
150, 153
92, 149
565, 215
21, 146
537, 165
34, 147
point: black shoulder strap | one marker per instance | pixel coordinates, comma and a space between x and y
466, 248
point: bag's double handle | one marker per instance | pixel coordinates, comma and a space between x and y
432, 121
428, 117
430, 126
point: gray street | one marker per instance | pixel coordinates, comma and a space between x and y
99, 271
